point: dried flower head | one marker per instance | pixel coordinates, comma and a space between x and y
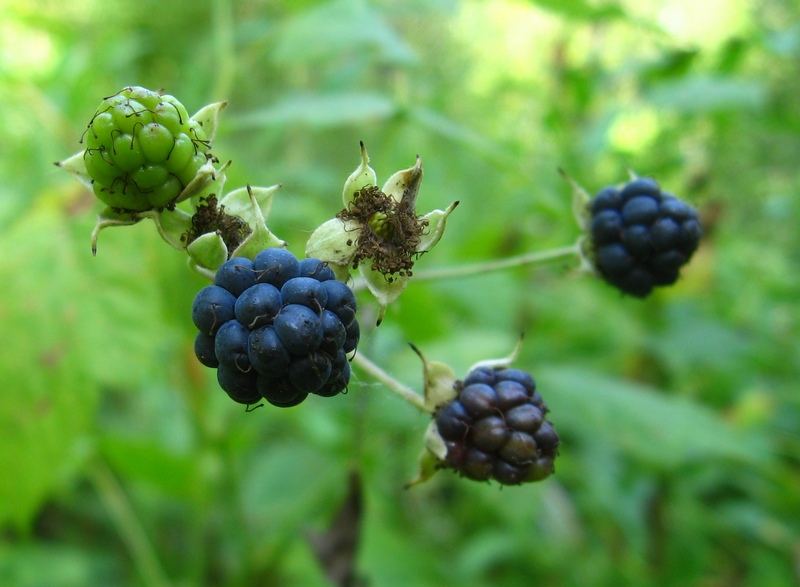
379, 231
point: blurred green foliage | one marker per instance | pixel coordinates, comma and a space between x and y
124, 464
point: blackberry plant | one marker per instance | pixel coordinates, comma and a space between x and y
279, 328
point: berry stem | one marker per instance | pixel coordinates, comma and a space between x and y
487, 266
393, 384
498, 264
130, 529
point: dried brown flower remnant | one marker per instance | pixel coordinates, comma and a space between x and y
390, 231
379, 231
212, 218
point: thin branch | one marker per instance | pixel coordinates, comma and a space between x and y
486, 266
497, 264
393, 384
130, 529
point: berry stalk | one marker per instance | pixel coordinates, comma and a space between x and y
141, 550
405, 392
531, 258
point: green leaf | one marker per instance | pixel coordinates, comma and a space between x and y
404, 184
384, 291
261, 238
48, 407
341, 26
57, 565
700, 94
438, 123
285, 483
581, 10
328, 110
664, 430
150, 463
502, 362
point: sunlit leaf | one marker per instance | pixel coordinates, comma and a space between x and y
148, 462
580, 9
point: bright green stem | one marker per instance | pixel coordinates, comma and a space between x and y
498, 264
393, 384
124, 518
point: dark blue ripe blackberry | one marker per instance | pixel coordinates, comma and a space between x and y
496, 428
276, 328
641, 236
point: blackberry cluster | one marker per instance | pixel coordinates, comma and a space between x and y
641, 236
496, 428
276, 328
142, 149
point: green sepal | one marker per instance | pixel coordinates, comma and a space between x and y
172, 225
434, 442
207, 179
384, 291
363, 176
342, 272
108, 218
437, 222
428, 466
439, 382
585, 254
208, 117
207, 253
207, 273
329, 242
76, 167
250, 204
580, 202
404, 184
502, 362
261, 238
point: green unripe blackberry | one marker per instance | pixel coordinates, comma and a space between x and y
495, 428
142, 149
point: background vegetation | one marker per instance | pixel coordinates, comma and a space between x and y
124, 464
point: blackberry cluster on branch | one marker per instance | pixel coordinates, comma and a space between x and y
276, 328
496, 428
641, 236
